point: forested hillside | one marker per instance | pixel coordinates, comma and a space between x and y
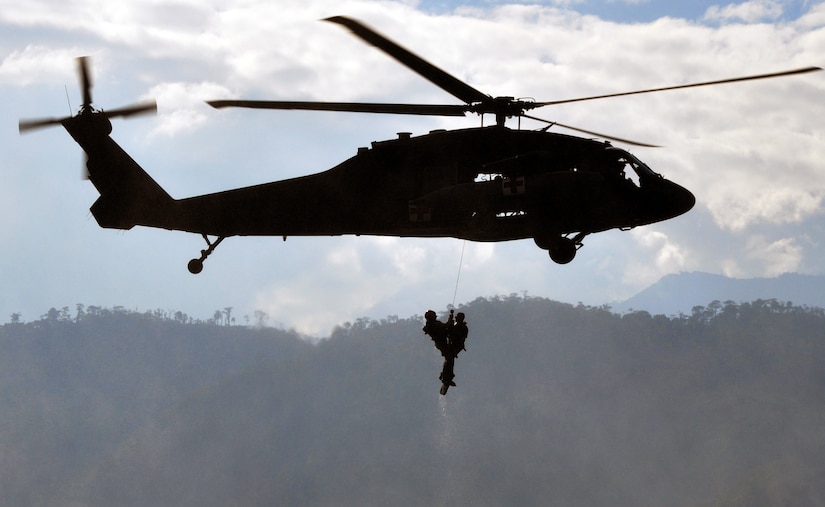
555, 405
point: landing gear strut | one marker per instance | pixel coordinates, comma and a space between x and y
196, 265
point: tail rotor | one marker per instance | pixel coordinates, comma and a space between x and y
86, 110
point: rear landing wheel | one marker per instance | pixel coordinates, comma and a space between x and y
195, 266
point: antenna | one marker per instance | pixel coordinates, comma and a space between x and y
67, 99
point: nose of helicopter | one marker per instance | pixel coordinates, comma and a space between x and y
682, 200
669, 200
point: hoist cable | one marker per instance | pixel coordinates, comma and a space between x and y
458, 276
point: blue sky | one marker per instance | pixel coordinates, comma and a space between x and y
752, 153
643, 11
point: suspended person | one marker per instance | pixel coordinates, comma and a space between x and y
449, 341
458, 334
438, 330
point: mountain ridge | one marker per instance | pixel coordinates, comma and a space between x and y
680, 292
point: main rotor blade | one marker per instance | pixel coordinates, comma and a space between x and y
425, 69
803, 70
592, 133
28, 125
352, 107
85, 80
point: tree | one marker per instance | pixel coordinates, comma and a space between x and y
261, 318
81, 312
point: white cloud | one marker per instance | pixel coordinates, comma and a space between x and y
181, 106
662, 256
750, 12
780, 256
814, 17
354, 276
35, 64
777, 206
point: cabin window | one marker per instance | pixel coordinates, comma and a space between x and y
484, 177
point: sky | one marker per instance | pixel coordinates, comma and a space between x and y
752, 153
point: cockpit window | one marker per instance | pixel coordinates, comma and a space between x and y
634, 169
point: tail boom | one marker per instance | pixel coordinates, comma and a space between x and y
128, 195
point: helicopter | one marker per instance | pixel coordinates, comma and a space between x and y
487, 184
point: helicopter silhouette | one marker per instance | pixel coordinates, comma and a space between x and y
488, 183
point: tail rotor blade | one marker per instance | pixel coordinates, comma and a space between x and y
85, 80
150, 107
123, 112
87, 113
29, 125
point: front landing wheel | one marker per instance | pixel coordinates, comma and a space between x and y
563, 251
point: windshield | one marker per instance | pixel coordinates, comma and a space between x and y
634, 169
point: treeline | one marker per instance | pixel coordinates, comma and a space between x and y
731, 309
222, 317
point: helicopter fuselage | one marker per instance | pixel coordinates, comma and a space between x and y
482, 184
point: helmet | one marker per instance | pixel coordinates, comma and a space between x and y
430, 315
459, 316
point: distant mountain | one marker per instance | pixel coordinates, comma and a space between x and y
679, 293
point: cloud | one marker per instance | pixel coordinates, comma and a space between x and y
348, 279
814, 17
35, 64
777, 206
749, 12
662, 256
629, 2
776, 257
182, 105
